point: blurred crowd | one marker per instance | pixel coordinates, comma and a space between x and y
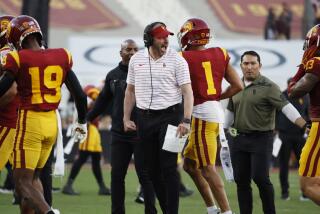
278, 23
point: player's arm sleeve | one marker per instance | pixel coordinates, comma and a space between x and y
6, 81
79, 96
276, 97
299, 74
70, 61
101, 102
226, 56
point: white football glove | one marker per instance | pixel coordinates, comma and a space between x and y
79, 132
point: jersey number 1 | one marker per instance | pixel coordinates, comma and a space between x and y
208, 72
48, 81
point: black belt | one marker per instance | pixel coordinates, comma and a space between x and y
255, 132
170, 109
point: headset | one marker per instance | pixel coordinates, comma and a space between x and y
147, 37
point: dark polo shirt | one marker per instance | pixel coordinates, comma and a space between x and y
255, 106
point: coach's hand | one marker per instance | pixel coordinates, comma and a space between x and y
183, 129
79, 132
129, 125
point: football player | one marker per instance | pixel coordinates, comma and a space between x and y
309, 169
311, 49
39, 74
8, 102
208, 67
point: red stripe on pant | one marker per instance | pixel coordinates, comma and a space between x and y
196, 126
16, 139
1, 129
305, 173
316, 161
22, 152
4, 135
204, 142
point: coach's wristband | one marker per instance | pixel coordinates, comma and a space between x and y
307, 125
186, 120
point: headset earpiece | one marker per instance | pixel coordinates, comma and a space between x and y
147, 38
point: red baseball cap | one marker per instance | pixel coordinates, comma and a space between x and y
161, 32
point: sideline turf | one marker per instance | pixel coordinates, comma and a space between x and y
90, 203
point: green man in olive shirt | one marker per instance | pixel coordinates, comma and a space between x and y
251, 114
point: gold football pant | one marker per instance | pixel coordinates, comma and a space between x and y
35, 136
6, 145
310, 156
202, 145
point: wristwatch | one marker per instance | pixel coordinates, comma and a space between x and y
186, 120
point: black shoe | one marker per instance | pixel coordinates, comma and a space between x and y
104, 191
16, 199
55, 189
140, 198
68, 190
285, 196
186, 192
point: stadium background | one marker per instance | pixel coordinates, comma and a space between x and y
93, 30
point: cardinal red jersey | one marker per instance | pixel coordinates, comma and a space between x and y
313, 66
8, 113
39, 75
207, 69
